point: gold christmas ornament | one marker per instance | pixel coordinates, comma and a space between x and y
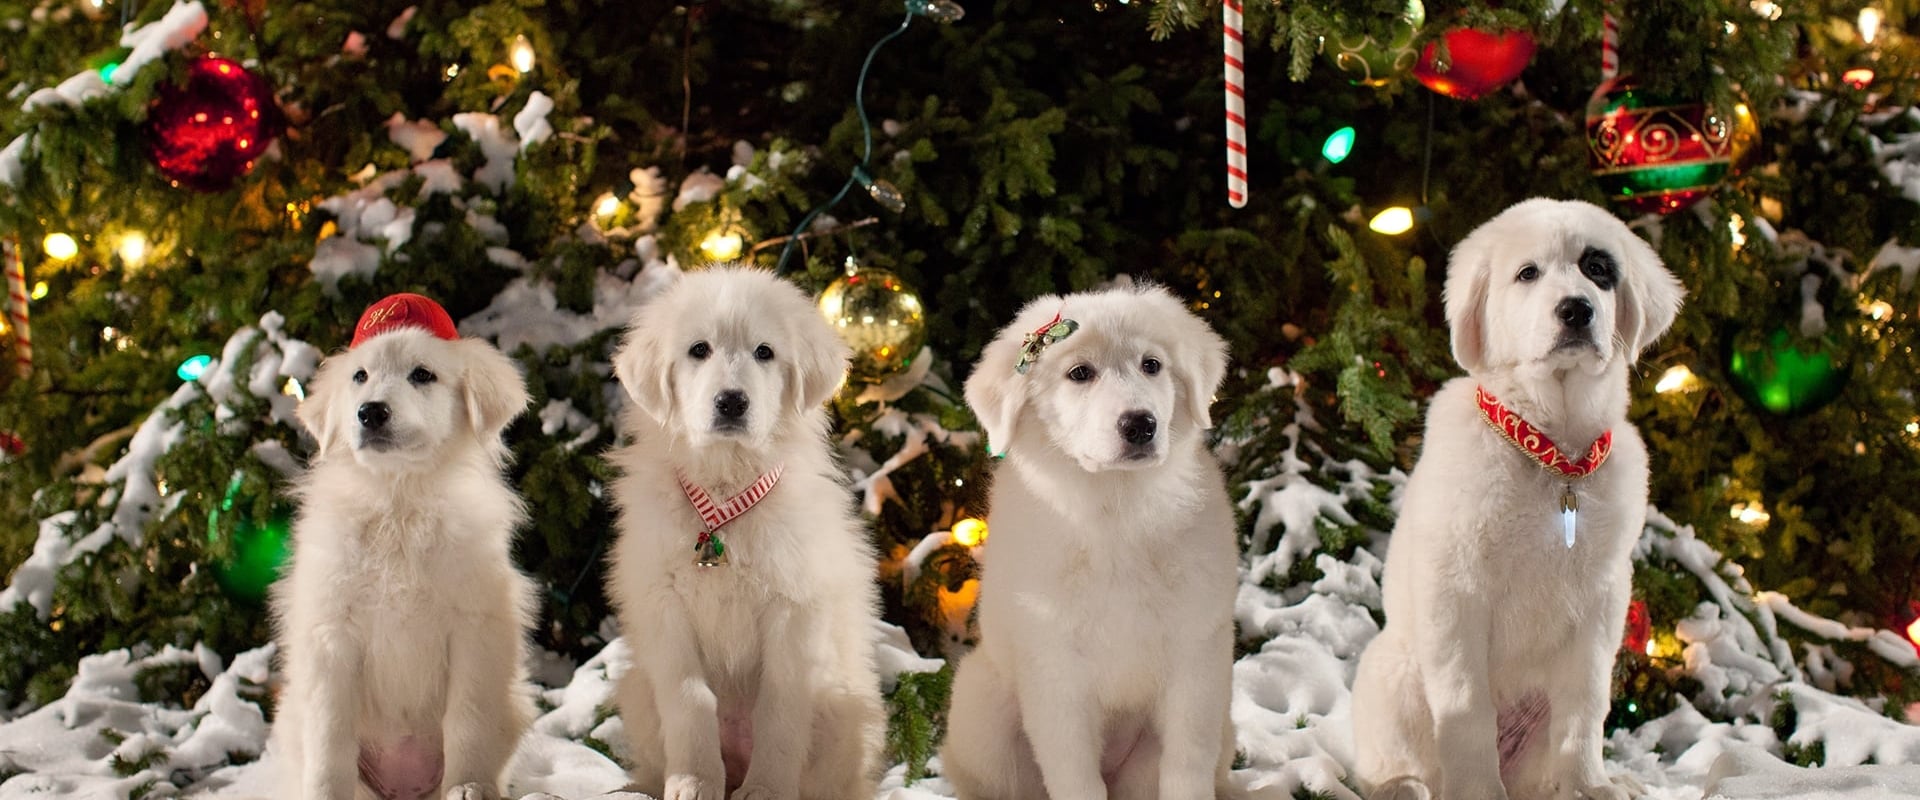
879, 317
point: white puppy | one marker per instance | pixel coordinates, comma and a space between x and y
1504, 608
401, 619
754, 668
1106, 609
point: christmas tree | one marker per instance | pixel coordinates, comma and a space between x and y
197, 201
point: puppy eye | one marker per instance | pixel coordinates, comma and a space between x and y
1528, 274
1080, 374
700, 351
421, 376
1598, 266
763, 353
1150, 366
360, 376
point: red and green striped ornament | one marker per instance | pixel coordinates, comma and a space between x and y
1653, 152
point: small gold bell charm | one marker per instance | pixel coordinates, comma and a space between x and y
709, 551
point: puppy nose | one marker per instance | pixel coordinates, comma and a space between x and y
1574, 312
731, 404
1137, 427
374, 415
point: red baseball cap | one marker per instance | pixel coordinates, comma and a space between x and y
403, 310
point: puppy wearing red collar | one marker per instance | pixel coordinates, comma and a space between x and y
1508, 574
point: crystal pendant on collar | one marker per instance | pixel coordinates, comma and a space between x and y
1569, 514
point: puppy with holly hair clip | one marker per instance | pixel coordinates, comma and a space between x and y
1105, 661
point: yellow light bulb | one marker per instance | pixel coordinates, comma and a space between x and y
1750, 514
521, 54
133, 248
724, 244
39, 290
1674, 380
970, 532
1393, 221
1870, 24
60, 246
606, 206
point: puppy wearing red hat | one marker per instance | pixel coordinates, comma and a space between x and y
400, 618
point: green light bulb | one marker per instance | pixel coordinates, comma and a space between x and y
192, 368
1338, 146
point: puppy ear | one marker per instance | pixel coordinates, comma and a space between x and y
1199, 359
494, 391
315, 411
640, 363
995, 391
1465, 296
1649, 296
818, 366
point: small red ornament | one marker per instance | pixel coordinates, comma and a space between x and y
206, 133
1477, 62
11, 444
1639, 627
403, 310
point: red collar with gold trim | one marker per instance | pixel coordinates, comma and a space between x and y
1534, 442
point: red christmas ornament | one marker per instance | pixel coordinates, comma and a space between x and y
403, 310
1639, 627
1658, 153
1477, 62
207, 133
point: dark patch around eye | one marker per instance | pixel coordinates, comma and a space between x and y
1599, 267
360, 376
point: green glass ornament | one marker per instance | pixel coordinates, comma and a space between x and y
257, 550
1369, 61
1787, 375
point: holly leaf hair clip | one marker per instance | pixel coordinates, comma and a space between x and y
1038, 341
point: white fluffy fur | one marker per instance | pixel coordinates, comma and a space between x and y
1106, 611
1486, 605
767, 662
401, 619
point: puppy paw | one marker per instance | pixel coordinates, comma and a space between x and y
689, 787
1403, 788
1617, 790
755, 791
472, 791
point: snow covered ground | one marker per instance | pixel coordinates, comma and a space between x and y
1291, 703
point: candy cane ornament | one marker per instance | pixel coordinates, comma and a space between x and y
17, 308
1232, 40
1609, 47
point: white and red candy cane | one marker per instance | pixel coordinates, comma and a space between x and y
17, 308
1609, 47
1233, 36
